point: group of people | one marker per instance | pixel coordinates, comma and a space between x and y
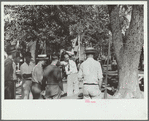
46, 82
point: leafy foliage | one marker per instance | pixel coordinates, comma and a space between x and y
59, 24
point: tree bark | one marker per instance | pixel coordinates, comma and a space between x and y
128, 54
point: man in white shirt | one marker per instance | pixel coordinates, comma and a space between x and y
26, 72
91, 71
72, 80
37, 76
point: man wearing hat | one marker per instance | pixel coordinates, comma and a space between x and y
72, 80
26, 72
91, 71
37, 76
53, 79
9, 72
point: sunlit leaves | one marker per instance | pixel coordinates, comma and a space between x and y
57, 24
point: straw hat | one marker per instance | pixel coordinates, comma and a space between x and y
42, 57
90, 50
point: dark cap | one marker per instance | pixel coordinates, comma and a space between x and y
42, 58
54, 57
10, 49
90, 50
27, 54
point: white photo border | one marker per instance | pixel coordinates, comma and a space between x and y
71, 108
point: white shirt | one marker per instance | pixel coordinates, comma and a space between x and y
14, 71
37, 73
26, 69
73, 67
91, 71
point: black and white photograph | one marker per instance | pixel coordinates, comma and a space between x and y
71, 52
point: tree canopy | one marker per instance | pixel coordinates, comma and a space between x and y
57, 24
121, 25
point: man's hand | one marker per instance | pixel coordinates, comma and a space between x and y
61, 85
100, 83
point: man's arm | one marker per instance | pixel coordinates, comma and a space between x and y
46, 71
59, 78
100, 76
66, 70
75, 67
8, 70
80, 73
100, 83
45, 76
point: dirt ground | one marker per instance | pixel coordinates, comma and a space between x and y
19, 96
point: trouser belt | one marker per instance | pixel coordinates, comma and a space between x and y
52, 83
27, 79
90, 84
37, 83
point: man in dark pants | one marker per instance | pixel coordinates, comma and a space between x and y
37, 76
9, 83
53, 80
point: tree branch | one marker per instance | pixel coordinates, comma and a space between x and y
116, 32
136, 26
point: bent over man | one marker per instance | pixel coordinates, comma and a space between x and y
53, 80
37, 76
91, 71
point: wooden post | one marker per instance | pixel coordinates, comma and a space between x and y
79, 38
105, 94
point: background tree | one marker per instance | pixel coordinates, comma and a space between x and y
53, 24
128, 51
57, 25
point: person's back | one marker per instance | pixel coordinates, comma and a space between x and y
37, 73
52, 77
37, 76
90, 69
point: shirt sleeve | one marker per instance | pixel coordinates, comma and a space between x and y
59, 75
14, 72
34, 74
8, 70
80, 74
33, 65
75, 67
21, 70
99, 72
46, 71
66, 70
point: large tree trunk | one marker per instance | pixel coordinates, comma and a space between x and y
128, 54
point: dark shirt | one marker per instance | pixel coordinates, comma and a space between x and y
52, 78
8, 69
